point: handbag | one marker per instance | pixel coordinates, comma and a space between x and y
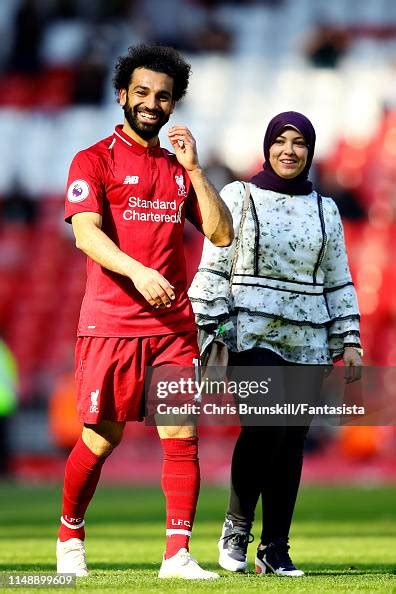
212, 347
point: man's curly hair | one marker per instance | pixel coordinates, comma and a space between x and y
153, 57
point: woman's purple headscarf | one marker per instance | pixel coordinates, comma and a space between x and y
267, 179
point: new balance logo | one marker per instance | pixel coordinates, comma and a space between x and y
94, 401
131, 179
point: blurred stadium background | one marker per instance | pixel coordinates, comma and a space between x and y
335, 61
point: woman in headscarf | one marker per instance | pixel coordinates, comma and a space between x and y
292, 303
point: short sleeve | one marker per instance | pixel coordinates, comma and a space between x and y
84, 186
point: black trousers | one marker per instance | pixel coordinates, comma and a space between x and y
267, 460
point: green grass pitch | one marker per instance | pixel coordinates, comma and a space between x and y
344, 538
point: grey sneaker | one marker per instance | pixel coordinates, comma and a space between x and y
233, 544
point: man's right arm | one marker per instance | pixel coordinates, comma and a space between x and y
91, 240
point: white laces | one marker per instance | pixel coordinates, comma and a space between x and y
185, 558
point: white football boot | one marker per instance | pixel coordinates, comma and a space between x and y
70, 556
183, 566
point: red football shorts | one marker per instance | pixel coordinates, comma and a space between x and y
111, 372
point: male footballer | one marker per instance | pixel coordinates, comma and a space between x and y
127, 200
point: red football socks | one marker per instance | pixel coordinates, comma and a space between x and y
82, 474
180, 484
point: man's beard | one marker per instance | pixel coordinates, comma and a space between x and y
146, 131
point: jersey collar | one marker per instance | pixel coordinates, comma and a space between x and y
135, 146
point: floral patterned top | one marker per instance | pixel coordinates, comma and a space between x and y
292, 290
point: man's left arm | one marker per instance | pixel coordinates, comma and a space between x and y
216, 218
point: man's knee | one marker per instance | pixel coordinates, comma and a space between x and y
178, 432
103, 437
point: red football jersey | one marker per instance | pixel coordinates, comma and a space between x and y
143, 195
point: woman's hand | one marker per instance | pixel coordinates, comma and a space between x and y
353, 365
